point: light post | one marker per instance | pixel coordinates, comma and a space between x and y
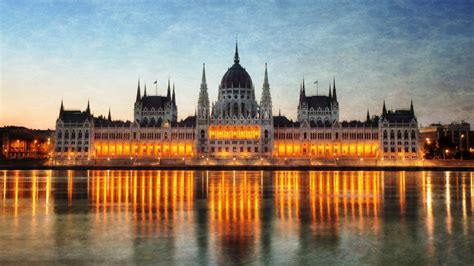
460, 146
446, 153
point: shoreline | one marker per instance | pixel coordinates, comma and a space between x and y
240, 167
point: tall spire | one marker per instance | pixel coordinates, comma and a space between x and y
144, 93
384, 109
412, 110
168, 94
236, 56
138, 92
174, 97
334, 95
330, 94
109, 117
203, 101
304, 89
368, 115
88, 109
203, 79
265, 79
61, 109
266, 101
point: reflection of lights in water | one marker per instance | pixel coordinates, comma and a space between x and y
69, 186
472, 192
448, 203
463, 204
427, 200
4, 186
402, 192
234, 208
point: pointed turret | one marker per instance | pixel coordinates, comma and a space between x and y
384, 109
61, 109
236, 55
412, 110
304, 89
266, 101
368, 115
334, 95
279, 111
301, 93
168, 94
203, 79
88, 109
265, 78
173, 100
144, 91
138, 92
330, 94
109, 117
203, 101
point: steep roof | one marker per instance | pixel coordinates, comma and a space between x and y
156, 102
318, 101
399, 116
74, 116
283, 121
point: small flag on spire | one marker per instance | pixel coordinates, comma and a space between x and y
156, 82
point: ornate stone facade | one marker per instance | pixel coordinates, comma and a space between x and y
236, 126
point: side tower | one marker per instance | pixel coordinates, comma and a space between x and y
153, 110
138, 105
74, 134
202, 117
320, 109
266, 116
399, 134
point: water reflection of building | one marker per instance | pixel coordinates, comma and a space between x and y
227, 214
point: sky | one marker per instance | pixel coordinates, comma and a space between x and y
77, 51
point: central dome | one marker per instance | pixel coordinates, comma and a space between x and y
236, 76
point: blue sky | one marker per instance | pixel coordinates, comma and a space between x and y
96, 50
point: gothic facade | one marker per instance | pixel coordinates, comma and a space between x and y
236, 126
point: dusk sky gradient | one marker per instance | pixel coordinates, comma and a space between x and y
96, 50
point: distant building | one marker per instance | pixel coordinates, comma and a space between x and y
23, 143
237, 126
457, 133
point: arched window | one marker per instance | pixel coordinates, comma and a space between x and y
337, 135
265, 133
60, 134
304, 135
236, 109
80, 134
399, 134
203, 134
73, 135
242, 108
413, 134
145, 121
392, 134
86, 135
405, 135
385, 134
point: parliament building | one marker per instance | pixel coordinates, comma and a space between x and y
236, 126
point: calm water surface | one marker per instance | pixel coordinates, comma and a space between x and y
192, 217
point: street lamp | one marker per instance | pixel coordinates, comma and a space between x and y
460, 146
